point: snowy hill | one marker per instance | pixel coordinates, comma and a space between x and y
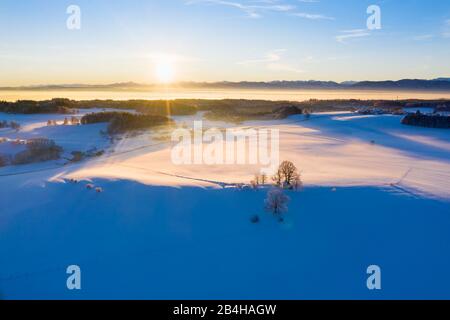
376, 192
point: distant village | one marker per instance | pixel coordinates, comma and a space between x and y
422, 116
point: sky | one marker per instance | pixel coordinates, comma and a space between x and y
150, 41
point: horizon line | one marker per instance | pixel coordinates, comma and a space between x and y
192, 82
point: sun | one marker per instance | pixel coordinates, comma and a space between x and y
165, 70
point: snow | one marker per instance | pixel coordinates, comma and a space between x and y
70, 137
376, 192
331, 150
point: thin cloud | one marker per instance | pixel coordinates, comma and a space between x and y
273, 61
283, 67
252, 10
312, 16
256, 8
272, 56
163, 56
423, 37
352, 34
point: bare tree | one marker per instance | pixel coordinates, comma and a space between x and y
287, 175
276, 202
288, 170
297, 183
263, 179
278, 177
260, 179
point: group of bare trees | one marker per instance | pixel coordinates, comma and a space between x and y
38, 150
287, 177
259, 180
74, 121
12, 124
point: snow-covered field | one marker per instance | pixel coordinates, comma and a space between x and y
376, 192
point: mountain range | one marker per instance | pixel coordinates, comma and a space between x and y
439, 84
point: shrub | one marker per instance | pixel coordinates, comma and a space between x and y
254, 219
38, 150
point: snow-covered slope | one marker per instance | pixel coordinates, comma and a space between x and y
375, 192
330, 150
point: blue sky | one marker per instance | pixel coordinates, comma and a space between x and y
214, 40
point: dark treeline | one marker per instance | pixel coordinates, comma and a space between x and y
99, 117
154, 107
226, 109
34, 107
65, 106
429, 121
38, 150
237, 110
127, 121
120, 122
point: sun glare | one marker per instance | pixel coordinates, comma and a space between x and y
164, 70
